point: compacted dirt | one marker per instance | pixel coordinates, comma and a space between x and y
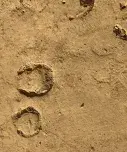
63, 76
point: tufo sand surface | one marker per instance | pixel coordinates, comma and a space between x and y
63, 76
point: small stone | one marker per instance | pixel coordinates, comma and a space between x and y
82, 105
120, 31
123, 5
21, 1
71, 17
63, 1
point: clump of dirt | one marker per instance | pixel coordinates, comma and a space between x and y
120, 32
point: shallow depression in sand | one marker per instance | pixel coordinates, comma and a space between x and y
35, 79
27, 122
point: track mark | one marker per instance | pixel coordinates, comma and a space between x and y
35, 79
27, 122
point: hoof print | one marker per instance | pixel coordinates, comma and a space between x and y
27, 122
35, 80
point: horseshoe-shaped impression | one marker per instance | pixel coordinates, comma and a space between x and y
35, 79
27, 122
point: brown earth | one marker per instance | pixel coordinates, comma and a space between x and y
82, 105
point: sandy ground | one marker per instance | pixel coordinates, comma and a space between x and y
63, 76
